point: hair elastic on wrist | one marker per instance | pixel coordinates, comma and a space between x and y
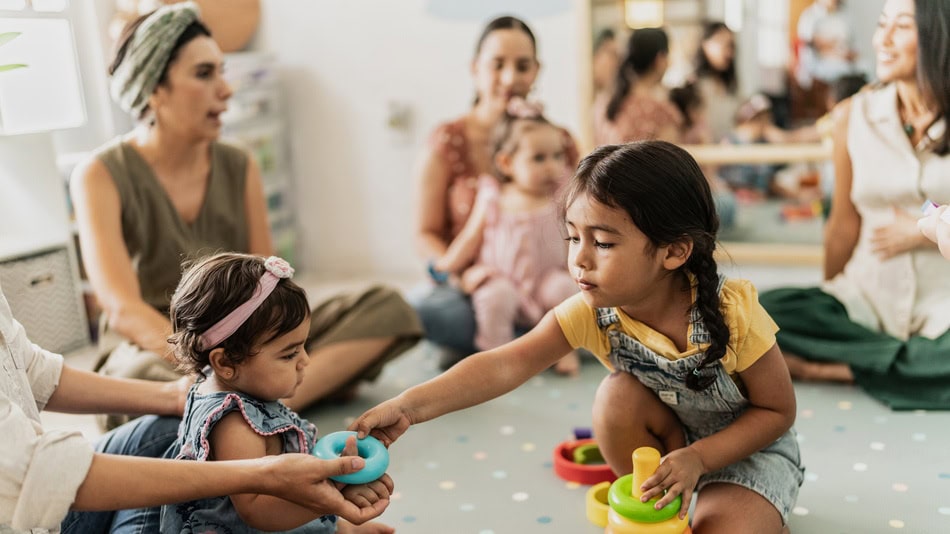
276, 269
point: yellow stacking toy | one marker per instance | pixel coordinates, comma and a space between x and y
617, 506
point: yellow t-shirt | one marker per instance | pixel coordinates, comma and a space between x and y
751, 330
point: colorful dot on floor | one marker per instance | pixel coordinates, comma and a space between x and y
572, 485
347, 421
800, 438
811, 477
839, 428
860, 467
880, 419
544, 520
844, 405
918, 436
507, 430
944, 476
395, 496
486, 532
528, 447
920, 412
447, 485
554, 394
808, 414
572, 406
432, 465
899, 486
548, 464
462, 439
480, 455
520, 497
409, 519
800, 510
499, 474
944, 510
877, 446
895, 523
851, 498
466, 507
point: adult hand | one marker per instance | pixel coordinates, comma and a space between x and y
304, 480
678, 473
936, 227
180, 389
474, 277
899, 236
386, 422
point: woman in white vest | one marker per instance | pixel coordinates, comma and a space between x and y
882, 316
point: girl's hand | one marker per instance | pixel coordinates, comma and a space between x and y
899, 236
385, 422
474, 277
366, 495
678, 473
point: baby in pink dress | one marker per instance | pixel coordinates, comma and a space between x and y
513, 234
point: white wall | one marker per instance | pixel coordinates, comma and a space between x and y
342, 63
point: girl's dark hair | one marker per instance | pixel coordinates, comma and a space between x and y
193, 30
212, 288
507, 134
933, 60
686, 99
643, 47
666, 195
704, 67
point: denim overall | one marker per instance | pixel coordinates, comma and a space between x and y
774, 472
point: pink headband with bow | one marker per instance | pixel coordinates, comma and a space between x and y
523, 109
276, 269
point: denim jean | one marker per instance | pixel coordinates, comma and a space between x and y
148, 436
447, 316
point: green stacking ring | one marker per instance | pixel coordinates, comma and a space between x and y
621, 501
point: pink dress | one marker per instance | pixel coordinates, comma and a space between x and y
528, 255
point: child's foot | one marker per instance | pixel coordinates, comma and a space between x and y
569, 365
345, 527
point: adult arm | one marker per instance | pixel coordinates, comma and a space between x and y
108, 263
116, 482
472, 381
844, 221
255, 211
464, 248
233, 439
85, 392
432, 185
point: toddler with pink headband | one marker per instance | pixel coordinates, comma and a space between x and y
240, 323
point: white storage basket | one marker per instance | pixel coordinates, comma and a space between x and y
45, 299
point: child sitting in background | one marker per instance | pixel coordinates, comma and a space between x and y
241, 317
513, 234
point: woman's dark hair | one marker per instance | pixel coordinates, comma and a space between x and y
506, 22
212, 288
193, 30
666, 195
686, 99
643, 47
933, 60
704, 67
603, 37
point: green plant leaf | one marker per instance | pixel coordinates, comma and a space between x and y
7, 37
12, 67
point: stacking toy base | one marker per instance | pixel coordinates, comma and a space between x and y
618, 524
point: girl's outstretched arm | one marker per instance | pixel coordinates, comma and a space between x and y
770, 414
472, 381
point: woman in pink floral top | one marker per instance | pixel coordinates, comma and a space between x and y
640, 106
458, 152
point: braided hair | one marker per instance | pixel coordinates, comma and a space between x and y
643, 47
666, 195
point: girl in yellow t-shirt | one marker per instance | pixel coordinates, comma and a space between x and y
696, 372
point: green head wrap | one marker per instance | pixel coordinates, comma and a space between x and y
147, 53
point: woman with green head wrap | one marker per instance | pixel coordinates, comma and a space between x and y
170, 191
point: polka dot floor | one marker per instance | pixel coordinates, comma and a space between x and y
488, 470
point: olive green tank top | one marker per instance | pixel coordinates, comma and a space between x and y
157, 238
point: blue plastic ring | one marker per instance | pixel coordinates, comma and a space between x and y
369, 448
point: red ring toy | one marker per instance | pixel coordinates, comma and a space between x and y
567, 469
